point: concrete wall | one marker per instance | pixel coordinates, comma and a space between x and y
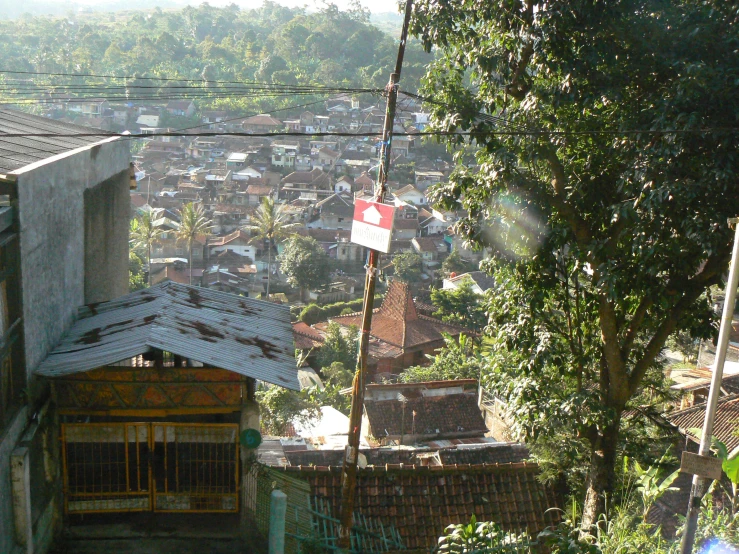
73, 217
66, 204
107, 217
9, 437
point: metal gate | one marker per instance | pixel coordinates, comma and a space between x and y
165, 467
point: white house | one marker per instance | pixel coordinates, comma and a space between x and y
237, 242
246, 174
411, 195
479, 280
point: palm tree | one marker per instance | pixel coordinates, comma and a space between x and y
270, 224
193, 224
144, 234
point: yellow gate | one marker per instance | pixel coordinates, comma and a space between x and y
167, 467
197, 467
107, 467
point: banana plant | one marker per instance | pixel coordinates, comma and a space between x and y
649, 485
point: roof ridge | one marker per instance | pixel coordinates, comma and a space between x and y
702, 405
415, 468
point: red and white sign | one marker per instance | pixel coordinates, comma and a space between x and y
373, 224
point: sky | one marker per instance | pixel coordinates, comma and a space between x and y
375, 6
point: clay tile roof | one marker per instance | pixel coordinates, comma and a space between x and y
725, 425
364, 179
420, 502
178, 104
446, 415
262, 119
220, 241
315, 176
259, 189
428, 244
494, 453
305, 336
405, 224
397, 323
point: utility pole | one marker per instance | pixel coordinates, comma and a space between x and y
349, 473
699, 483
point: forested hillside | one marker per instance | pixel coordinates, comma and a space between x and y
271, 44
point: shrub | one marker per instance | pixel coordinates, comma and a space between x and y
312, 314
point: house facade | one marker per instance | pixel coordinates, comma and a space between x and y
65, 243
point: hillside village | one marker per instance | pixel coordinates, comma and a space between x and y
552, 363
316, 180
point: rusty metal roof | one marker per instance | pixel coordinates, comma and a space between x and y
247, 336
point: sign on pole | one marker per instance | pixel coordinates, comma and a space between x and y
373, 224
705, 466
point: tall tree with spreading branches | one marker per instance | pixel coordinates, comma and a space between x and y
193, 224
144, 234
270, 224
605, 174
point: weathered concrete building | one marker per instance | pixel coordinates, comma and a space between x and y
63, 243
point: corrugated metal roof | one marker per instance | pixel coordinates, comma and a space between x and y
16, 153
247, 336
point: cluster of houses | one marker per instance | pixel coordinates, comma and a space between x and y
315, 180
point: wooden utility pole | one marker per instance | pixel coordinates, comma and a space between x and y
349, 473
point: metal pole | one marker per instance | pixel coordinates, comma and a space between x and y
277, 510
349, 473
699, 483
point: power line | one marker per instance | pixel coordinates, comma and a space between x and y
615, 132
204, 81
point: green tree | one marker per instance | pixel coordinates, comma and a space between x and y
305, 263
339, 345
335, 379
144, 234
461, 306
605, 210
280, 408
136, 279
454, 263
458, 359
270, 225
408, 267
193, 224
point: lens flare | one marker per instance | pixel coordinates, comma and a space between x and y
513, 228
717, 547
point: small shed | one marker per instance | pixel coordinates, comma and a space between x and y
154, 389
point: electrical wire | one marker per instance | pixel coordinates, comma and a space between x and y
625, 132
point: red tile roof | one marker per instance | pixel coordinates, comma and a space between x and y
443, 416
305, 336
259, 189
236, 235
420, 502
264, 120
398, 323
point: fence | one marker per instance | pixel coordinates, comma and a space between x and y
309, 526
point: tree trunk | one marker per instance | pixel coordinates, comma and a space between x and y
190, 263
148, 267
269, 263
602, 474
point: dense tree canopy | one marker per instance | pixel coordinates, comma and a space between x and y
408, 267
606, 173
305, 263
271, 43
461, 306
